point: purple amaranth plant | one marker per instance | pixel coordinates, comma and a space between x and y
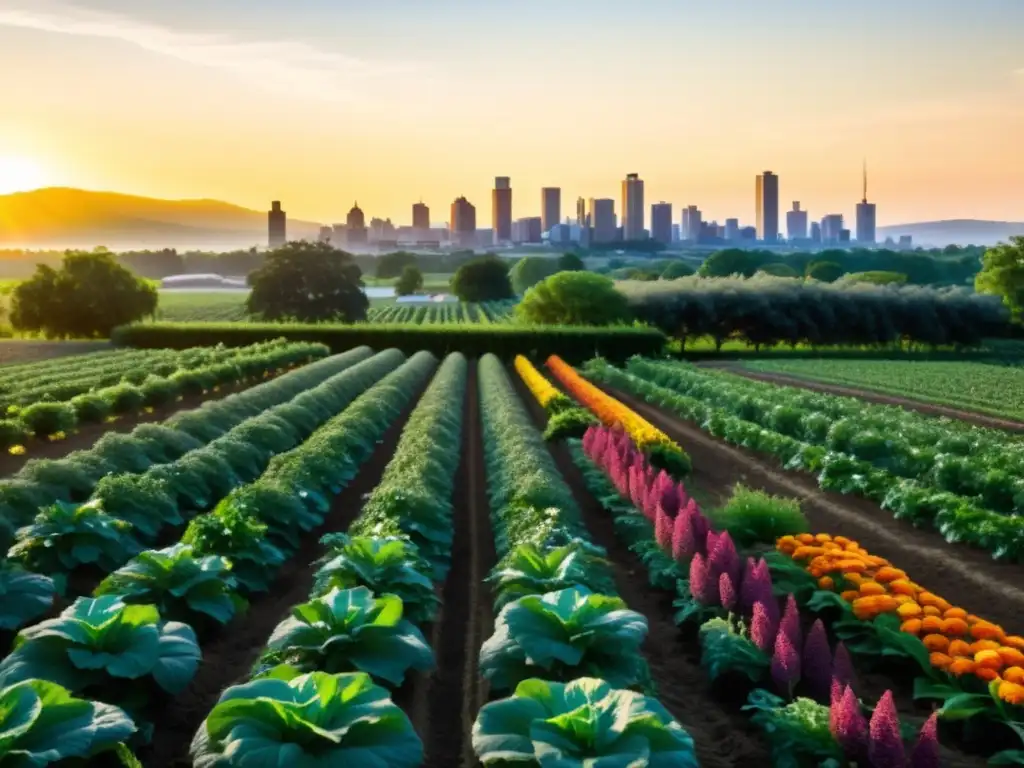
842, 665
849, 726
663, 531
785, 664
722, 556
726, 592
790, 624
703, 586
684, 538
817, 662
885, 745
926, 752
763, 627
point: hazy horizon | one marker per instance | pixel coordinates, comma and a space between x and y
247, 101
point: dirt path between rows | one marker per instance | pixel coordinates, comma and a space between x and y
872, 396
967, 577
229, 656
723, 736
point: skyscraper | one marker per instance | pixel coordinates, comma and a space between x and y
277, 225
550, 207
661, 222
463, 223
766, 194
602, 220
690, 229
732, 229
420, 216
501, 209
527, 230
815, 232
831, 228
581, 212
355, 226
632, 207
796, 223
865, 215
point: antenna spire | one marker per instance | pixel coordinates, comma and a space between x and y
865, 199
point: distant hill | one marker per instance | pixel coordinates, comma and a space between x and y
955, 232
59, 217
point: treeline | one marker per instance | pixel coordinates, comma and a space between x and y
768, 311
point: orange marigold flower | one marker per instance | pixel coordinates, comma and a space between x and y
931, 610
871, 588
927, 598
821, 538
787, 544
826, 583
805, 538
936, 643
954, 626
876, 561
961, 667
888, 573
1014, 674
911, 626
1014, 641
955, 613
909, 610
960, 648
988, 659
986, 673
850, 595
972, 619
831, 546
931, 625
1012, 693
984, 645
806, 553
902, 587
1011, 656
984, 630
854, 578
851, 566
940, 660
904, 599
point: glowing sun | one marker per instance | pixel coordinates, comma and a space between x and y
20, 174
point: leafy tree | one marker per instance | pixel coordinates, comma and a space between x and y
633, 273
308, 282
483, 279
410, 281
675, 270
530, 270
1002, 273
824, 271
393, 264
732, 261
778, 269
90, 295
574, 298
570, 262
876, 277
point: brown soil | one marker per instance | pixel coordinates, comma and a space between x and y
229, 657
722, 734
929, 409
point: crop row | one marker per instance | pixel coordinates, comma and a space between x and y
442, 313
565, 645
957, 518
195, 578
48, 417
801, 690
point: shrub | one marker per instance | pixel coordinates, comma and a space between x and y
755, 517
574, 298
565, 424
123, 398
90, 408
12, 432
158, 391
44, 419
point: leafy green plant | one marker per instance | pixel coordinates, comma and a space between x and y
158, 391
182, 586
531, 570
386, 566
350, 630
725, 647
90, 408
570, 422
45, 419
583, 723
307, 721
66, 535
42, 723
141, 500
563, 635
242, 538
12, 432
97, 641
755, 517
798, 731
124, 398
23, 595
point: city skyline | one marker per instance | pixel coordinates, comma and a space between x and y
321, 104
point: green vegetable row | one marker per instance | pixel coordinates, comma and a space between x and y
446, 313
559, 618
957, 518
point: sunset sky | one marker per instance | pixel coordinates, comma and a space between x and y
322, 102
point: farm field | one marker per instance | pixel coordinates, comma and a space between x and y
486, 313
377, 558
201, 306
985, 388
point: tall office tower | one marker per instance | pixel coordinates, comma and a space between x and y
815, 232
675, 233
581, 212
501, 209
732, 229
632, 207
550, 207
766, 192
865, 216
831, 227
356, 232
420, 216
602, 220
796, 223
661, 222
277, 225
527, 230
463, 223
690, 229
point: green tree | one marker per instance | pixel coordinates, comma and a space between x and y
308, 282
1002, 273
530, 270
675, 270
778, 269
483, 279
410, 281
731, 261
876, 277
570, 262
393, 264
824, 271
574, 298
89, 296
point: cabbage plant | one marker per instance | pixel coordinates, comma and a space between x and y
181, 585
96, 642
42, 723
307, 721
66, 535
563, 635
350, 630
385, 565
531, 570
584, 723
242, 538
23, 595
